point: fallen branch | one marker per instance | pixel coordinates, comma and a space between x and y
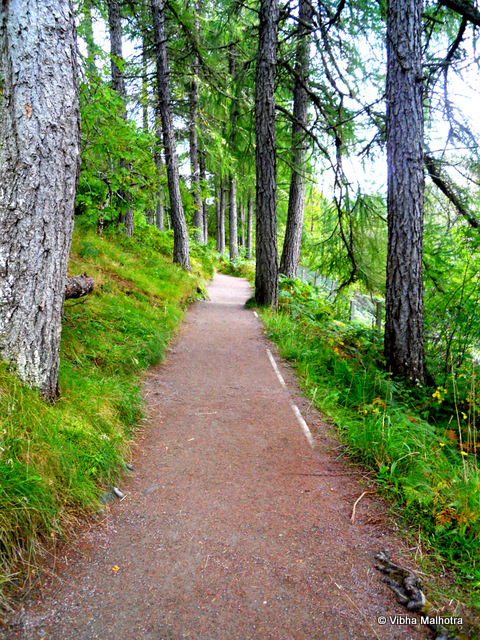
352, 519
78, 286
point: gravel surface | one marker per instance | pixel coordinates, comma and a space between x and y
232, 527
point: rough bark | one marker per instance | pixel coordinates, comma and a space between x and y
404, 343
78, 286
232, 218
180, 232
296, 198
266, 272
221, 217
194, 162
249, 226
39, 163
118, 85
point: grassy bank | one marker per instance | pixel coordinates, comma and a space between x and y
420, 444
55, 461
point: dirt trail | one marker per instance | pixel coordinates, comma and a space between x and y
233, 527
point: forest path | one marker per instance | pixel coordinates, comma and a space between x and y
233, 527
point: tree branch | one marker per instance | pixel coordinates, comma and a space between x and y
442, 181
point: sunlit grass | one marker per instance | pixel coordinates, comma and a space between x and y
56, 460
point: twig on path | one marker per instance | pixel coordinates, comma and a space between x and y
352, 519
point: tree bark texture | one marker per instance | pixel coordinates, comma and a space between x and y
39, 164
78, 286
249, 226
118, 85
404, 344
181, 254
232, 218
194, 163
266, 272
296, 198
221, 216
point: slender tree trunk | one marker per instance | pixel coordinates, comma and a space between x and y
232, 202
39, 164
221, 217
180, 232
249, 226
118, 85
203, 181
194, 162
241, 210
160, 206
266, 272
232, 218
296, 199
144, 83
88, 31
404, 345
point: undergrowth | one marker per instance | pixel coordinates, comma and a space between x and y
240, 267
421, 443
55, 461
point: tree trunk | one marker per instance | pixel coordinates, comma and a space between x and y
194, 165
88, 32
144, 82
232, 218
241, 210
203, 182
39, 164
266, 272
221, 216
118, 85
296, 198
180, 232
160, 208
232, 202
404, 346
249, 226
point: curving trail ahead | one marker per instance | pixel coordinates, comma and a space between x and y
233, 527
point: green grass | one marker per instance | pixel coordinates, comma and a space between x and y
240, 268
55, 461
419, 444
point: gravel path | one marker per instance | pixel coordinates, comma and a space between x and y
233, 527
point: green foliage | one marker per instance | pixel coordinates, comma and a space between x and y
239, 267
118, 169
428, 467
56, 460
